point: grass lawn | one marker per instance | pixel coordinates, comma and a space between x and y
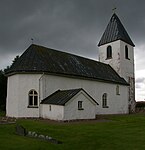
124, 132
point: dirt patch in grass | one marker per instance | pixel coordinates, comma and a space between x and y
7, 120
89, 121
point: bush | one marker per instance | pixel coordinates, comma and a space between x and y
2, 107
3, 90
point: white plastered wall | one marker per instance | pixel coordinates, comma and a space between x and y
17, 100
118, 104
71, 111
55, 113
124, 67
12, 97
19, 86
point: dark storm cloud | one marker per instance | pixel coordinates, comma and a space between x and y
70, 25
140, 83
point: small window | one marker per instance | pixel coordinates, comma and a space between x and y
80, 105
104, 100
109, 52
49, 107
117, 90
33, 99
126, 52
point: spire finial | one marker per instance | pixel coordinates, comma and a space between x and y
32, 40
114, 10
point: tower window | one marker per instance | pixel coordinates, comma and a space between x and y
126, 52
49, 107
104, 100
33, 98
117, 90
109, 52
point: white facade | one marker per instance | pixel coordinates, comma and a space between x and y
124, 67
70, 110
53, 112
19, 86
118, 104
17, 95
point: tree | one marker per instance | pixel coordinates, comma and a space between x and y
15, 59
3, 90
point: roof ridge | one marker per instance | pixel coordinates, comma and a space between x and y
60, 51
62, 97
71, 89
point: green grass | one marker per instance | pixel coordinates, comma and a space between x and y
123, 132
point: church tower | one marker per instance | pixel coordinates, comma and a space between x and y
117, 49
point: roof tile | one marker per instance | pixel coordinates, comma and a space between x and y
115, 31
39, 59
61, 97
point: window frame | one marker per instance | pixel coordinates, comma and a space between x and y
80, 105
33, 95
104, 101
117, 90
50, 108
126, 52
109, 52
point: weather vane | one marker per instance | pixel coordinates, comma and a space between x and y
32, 40
114, 9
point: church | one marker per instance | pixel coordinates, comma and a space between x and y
57, 85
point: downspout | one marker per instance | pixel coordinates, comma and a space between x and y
39, 91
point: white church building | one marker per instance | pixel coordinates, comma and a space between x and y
57, 85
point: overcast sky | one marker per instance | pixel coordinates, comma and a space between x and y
75, 26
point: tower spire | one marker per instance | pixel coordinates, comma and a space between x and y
115, 31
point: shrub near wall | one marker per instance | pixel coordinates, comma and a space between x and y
3, 90
140, 106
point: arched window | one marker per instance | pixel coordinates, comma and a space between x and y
33, 98
104, 100
117, 90
109, 52
126, 52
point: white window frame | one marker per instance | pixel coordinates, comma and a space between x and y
80, 105
33, 93
109, 52
104, 101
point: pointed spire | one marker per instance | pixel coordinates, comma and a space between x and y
115, 31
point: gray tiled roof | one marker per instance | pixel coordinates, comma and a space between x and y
115, 31
61, 97
39, 59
